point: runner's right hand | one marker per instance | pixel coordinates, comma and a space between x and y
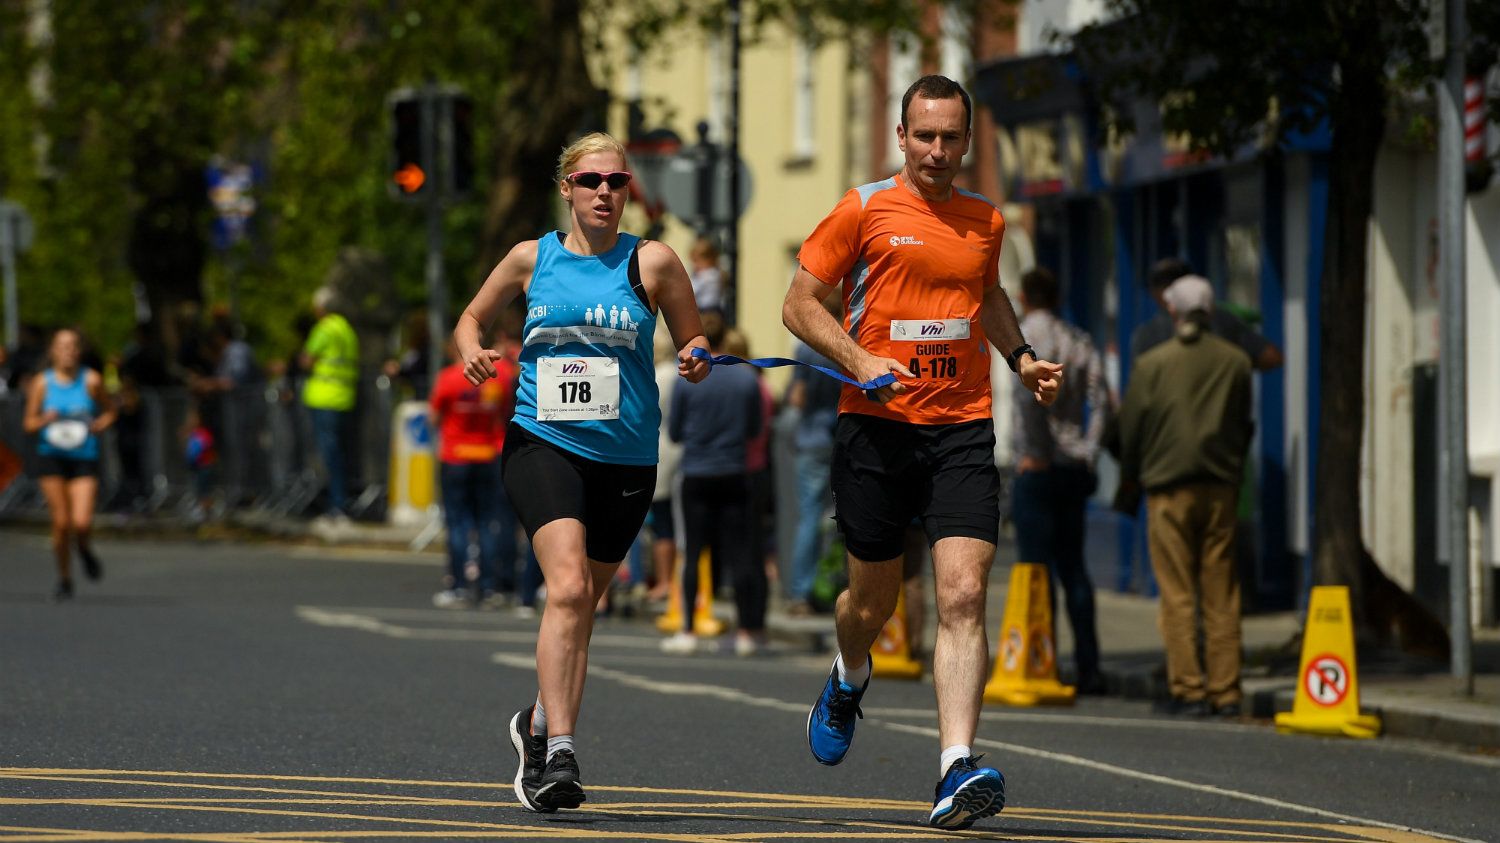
873, 367
480, 366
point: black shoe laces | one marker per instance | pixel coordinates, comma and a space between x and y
840, 705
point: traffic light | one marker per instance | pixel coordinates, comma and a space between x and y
409, 166
461, 153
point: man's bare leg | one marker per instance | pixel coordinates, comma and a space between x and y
864, 607
961, 571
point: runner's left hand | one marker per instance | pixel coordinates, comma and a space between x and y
1042, 379
693, 369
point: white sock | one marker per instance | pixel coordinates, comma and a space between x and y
539, 718
855, 679
560, 742
951, 754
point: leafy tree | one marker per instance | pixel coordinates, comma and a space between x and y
1249, 70
144, 94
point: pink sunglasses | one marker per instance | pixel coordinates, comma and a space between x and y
590, 180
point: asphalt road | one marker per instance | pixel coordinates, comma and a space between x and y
234, 692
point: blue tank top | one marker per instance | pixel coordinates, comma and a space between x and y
590, 306
74, 406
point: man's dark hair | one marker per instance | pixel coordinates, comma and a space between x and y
935, 87
1039, 286
1165, 271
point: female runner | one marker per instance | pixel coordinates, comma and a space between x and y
580, 457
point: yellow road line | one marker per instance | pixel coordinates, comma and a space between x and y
724, 800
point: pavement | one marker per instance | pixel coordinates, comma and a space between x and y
1415, 698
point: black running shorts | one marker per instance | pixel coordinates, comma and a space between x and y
546, 483
886, 473
66, 468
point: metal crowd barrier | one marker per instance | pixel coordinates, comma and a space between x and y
267, 456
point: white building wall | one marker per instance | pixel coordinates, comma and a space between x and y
1386, 470
1040, 18
1483, 310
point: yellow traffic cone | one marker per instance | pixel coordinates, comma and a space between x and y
891, 655
1026, 670
1327, 700
704, 622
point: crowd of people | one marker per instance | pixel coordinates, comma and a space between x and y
606, 440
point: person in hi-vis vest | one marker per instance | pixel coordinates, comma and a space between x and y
331, 358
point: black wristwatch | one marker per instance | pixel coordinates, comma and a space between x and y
1014, 358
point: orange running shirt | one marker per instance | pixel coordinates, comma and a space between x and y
914, 275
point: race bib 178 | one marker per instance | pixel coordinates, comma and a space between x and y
577, 389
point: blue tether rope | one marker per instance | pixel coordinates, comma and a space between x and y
772, 362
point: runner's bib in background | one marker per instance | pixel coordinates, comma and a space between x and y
578, 389
918, 330
66, 434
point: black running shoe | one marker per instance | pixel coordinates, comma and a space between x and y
531, 753
91, 566
63, 591
560, 785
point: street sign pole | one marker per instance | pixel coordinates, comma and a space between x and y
8, 267
732, 237
16, 232
435, 130
1454, 503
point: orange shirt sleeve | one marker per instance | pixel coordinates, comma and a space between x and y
830, 252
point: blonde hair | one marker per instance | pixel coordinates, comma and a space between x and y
588, 145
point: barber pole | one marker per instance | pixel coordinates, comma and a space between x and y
1473, 120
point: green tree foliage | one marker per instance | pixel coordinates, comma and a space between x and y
1257, 71
143, 95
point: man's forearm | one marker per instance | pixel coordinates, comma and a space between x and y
1001, 327
813, 324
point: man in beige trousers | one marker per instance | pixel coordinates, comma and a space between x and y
1184, 429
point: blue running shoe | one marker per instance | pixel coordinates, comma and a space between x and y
830, 723
967, 794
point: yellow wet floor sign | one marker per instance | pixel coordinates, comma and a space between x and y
891, 655
704, 622
1026, 670
1327, 700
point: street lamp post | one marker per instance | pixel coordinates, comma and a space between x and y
1452, 410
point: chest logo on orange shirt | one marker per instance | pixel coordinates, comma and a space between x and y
899, 240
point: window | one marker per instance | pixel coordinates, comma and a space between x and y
902, 69
803, 110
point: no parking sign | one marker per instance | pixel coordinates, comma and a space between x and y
1326, 680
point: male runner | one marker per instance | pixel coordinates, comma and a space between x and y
919, 264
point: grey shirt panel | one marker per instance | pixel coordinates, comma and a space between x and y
1068, 432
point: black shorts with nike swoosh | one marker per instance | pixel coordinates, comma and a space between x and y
546, 483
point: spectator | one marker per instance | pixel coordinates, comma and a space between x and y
715, 421
28, 357
331, 357
708, 278
758, 463
1056, 448
470, 421
1185, 427
817, 400
411, 367
661, 520
1158, 329
68, 407
201, 451
505, 524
